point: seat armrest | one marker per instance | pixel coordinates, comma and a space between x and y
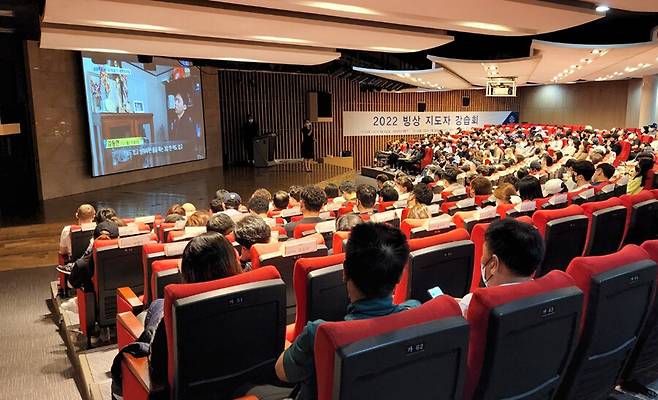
127, 300
129, 328
135, 377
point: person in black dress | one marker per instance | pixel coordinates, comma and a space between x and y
307, 145
249, 132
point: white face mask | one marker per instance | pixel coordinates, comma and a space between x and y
483, 272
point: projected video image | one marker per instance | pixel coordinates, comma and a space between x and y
142, 115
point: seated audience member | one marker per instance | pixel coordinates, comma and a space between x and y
348, 192
173, 218
232, 203
554, 186
263, 193
220, 223
547, 163
347, 222
375, 257
206, 258
259, 206
427, 179
280, 201
481, 186
529, 188
331, 190
535, 168
108, 214
189, 208
642, 168
82, 270
450, 176
312, 200
198, 218
522, 173
404, 186
381, 179
419, 211
603, 173
421, 195
176, 209
216, 205
365, 199
249, 231
511, 253
582, 172
294, 193
85, 215
504, 194
596, 154
388, 193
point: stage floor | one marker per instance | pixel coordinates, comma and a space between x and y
31, 239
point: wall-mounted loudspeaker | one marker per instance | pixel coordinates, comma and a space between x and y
466, 101
422, 106
318, 107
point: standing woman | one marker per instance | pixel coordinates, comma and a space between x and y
307, 145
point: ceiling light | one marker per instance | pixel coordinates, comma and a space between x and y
630, 69
340, 7
235, 59
484, 26
130, 25
406, 74
280, 39
602, 8
101, 50
6, 13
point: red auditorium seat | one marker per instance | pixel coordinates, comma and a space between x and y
427, 158
623, 155
642, 217
619, 290
319, 290
470, 223
642, 367
199, 367
298, 233
564, 232
401, 291
605, 230
337, 241
272, 254
418, 228
347, 208
522, 337
414, 354
152, 252
384, 205
114, 267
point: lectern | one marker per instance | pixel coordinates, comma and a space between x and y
264, 147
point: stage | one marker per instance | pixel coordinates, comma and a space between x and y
31, 239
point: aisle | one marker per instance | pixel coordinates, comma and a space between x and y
33, 360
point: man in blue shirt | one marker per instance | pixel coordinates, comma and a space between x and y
375, 257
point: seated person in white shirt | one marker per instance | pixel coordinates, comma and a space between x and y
85, 215
259, 206
511, 253
582, 173
232, 203
450, 176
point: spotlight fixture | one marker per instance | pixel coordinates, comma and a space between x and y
602, 8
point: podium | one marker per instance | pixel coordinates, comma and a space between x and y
264, 147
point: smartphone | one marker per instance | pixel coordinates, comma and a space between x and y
435, 291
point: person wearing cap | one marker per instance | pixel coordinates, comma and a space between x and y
81, 271
554, 186
85, 215
232, 203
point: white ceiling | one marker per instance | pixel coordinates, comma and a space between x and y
630, 5
497, 17
432, 79
103, 42
549, 63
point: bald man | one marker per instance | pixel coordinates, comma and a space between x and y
85, 215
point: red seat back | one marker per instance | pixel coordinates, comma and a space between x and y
301, 228
337, 242
333, 336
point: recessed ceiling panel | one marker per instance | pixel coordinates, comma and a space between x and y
477, 72
432, 79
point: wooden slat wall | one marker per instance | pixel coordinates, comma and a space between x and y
278, 102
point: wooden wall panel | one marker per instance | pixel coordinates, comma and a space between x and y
278, 102
600, 104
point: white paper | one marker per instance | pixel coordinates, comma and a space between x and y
526, 206
299, 246
383, 216
487, 212
133, 241
587, 194
622, 181
128, 230
274, 235
459, 191
325, 227
608, 188
400, 204
179, 225
434, 209
440, 222
289, 212
149, 219
175, 248
333, 206
324, 215
270, 221
470, 202
88, 227
191, 231
559, 198
436, 198
403, 196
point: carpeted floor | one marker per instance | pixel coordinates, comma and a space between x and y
33, 360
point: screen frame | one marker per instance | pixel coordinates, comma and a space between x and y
83, 85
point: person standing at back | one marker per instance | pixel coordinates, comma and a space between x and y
308, 153
249, 132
